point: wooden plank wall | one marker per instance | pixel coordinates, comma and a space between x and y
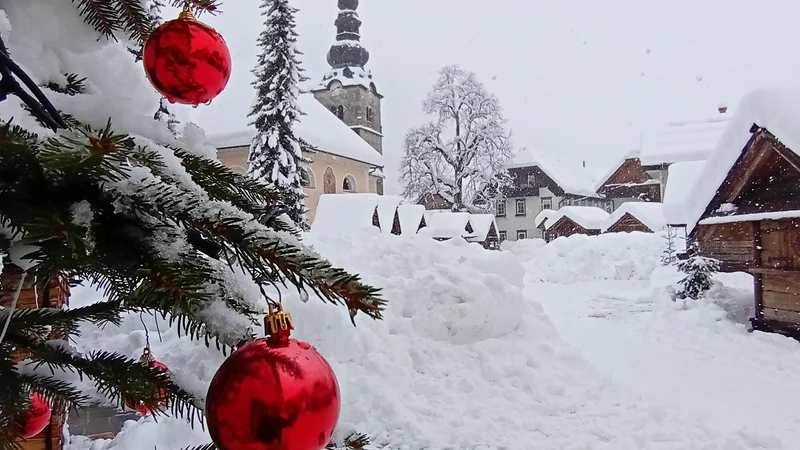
781, 297
730, 243
627, 224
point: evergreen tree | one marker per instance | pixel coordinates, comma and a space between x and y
699, 271
275, 153
160, 227
669, 255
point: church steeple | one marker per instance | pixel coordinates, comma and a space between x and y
347, 51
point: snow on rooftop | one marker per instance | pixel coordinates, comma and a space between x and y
680, 181
360, 77
690, 140
589, 217
345, 213
446, 224
410, 217
542, 216
481, 224
317, 126
569, 173
650, 214
777, 110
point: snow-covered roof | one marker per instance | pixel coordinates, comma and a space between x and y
589, 217
777, 110
481, 224
446, 224
542, 216
754, 217
387, 208
317, 126
650, 214
568, 173
410, 217
345, 213
680, 180
690, 140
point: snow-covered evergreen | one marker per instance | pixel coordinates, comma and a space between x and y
699, 272
275, 153
669, 255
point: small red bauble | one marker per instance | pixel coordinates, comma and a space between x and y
273, 393
187, 61
140, 406
36, 419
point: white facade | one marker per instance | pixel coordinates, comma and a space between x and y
517, 222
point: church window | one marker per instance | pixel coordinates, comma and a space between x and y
307, 178
349, 184
340, 112
370, 115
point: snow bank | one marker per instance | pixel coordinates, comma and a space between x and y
613, 256
343, 213
411, 218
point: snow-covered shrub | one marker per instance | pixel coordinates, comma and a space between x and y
699, 271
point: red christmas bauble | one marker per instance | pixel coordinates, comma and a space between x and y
273, 396
145, 408
187, 61
36, 419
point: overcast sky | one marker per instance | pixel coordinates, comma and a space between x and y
575, 77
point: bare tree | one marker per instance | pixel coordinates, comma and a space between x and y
461, 153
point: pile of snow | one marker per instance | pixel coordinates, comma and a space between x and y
650, 214
343, 213
463, 360
446, 224
677, 195
589, 217
523, 248
482, 224
613, 256
411, 218
777, 110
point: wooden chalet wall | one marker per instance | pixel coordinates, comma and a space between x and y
567, 227
777, 275
626, 224
730, 243
628, 182
55, 295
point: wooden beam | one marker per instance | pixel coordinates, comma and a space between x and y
758, 281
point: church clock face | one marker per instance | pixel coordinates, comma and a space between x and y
336, 85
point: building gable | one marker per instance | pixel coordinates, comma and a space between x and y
628, 223
765, 178
528, 181
630, 180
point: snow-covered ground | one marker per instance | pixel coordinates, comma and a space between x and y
571, 345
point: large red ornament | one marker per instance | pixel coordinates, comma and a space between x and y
187, 61
140, 406
36, 419
273, 393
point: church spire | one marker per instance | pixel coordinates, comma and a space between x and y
347, 51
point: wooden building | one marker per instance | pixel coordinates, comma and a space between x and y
628, 182
636, 216
752, 224
571, 220
484, 231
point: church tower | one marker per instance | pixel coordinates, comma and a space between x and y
348, 89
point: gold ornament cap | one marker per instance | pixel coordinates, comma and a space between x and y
187, 13
277, 321
147, 356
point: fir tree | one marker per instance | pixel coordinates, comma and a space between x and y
699, 272
158, 226
669, 255
275, 153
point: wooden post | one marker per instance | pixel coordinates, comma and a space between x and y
55, 295
758, 282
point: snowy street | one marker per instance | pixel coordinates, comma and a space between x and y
691, 363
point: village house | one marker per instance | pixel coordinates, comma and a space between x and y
628, 182
542, 183
680, 141
571, 220
746, 205
645, 217
341, 125
411, 219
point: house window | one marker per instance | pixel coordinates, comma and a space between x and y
370, 115
349, 184
503, 235
522, 234
501, 208
532, 179
307, 178
547, 202
521, 207
340, 112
